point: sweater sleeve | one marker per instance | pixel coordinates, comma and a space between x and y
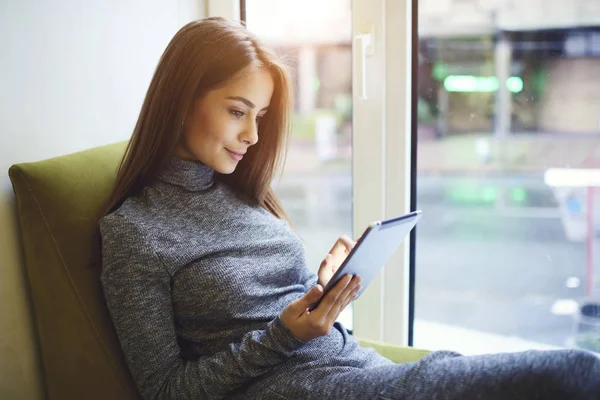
137, 290
310, 279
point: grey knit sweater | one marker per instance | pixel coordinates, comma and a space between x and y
195, 277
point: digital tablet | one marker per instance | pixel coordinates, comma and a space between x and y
375, 247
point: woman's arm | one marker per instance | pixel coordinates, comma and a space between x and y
309, 279
138, 295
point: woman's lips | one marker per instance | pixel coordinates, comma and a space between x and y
235, 155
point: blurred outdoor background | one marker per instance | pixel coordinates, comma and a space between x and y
508, 253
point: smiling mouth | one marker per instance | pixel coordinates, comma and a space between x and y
236, 156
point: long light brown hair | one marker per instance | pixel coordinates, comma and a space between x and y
202, 56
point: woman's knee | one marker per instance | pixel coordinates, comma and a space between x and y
577, 372
583, 361
559, 374
587, 362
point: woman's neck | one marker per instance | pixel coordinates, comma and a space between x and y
191, 175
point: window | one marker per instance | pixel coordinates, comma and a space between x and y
508, 153
506, 131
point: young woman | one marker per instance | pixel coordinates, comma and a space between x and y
205, 280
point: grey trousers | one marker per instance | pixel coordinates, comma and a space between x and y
445, 375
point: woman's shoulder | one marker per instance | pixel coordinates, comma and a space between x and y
132, 220
127, 236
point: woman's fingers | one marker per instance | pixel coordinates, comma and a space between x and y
337, 255
343, 297
324, 262
342, 246
347, 242
323, 317
326, 270
332, 297
349, 299
353, 288
328, 262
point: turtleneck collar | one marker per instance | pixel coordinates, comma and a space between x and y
188, 174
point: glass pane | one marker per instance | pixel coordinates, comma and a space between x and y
316, 187
508, 253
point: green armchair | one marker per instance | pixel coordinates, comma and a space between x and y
57, 200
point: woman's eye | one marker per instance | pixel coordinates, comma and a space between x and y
236, 113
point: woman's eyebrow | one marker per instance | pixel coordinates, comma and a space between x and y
244, 100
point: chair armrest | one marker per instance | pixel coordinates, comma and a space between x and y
396, 353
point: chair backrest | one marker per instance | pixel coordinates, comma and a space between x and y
58, 200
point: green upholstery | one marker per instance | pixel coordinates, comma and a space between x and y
398, 354
57, 201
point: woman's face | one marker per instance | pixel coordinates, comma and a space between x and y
224, 123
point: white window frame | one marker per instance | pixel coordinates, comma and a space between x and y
381, 163
382, 160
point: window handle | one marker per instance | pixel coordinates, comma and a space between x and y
363, 47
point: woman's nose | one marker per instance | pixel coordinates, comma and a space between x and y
250, 134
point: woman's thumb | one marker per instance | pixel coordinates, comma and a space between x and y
315, 292
309, 298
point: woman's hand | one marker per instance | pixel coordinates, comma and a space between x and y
336, 256
307, 325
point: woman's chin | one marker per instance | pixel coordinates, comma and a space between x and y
226, 169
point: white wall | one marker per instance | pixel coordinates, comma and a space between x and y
73, 74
